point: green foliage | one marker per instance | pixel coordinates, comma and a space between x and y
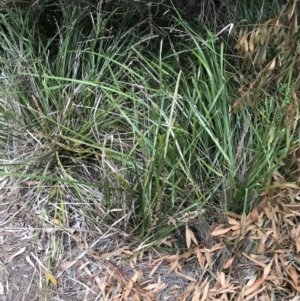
145, 121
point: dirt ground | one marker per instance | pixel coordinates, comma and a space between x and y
254, 257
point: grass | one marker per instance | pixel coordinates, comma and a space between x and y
132, 140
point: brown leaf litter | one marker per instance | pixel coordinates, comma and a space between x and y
253, 257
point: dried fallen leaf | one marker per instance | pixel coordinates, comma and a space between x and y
205, 293
102, 284
187, 277
222, 279
261, 264
293, 274
209, 260
251, 280
189, 236
200, 290
254, 214
173, 266
65, 265
271, 65
197, 294
51, 278
200, 258
232, 221
155, 268
218, 232
267, 269
228, 263
261, 246
254, 286
298, 245
297, 288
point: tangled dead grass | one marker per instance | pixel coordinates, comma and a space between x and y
253, 257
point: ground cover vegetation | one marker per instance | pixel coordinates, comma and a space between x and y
158, 126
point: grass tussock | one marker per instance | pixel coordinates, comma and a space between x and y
144, 149
135, 131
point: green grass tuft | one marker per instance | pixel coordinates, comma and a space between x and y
143, 136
